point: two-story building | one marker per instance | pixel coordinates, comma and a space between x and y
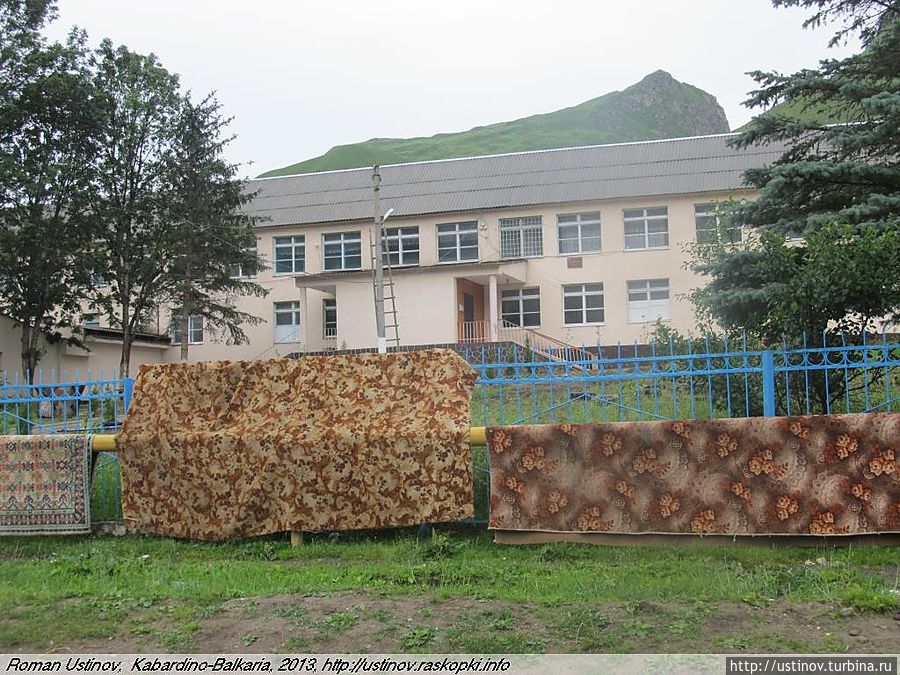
572, 246
582, 245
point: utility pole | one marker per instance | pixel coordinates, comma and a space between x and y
379, 268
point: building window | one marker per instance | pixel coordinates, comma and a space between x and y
287, 321
239, 271
648, 300
90, 321
578, 232
521, 307
582, 304
710, 229
646, 228
195, 330
343, 251
401, 246
457, 242
521, 237
329, 318
290, 254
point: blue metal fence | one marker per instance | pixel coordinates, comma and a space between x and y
63, 403
712, 377
707, 378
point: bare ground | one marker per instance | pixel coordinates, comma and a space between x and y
357, 622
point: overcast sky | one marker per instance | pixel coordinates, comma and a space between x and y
301, 76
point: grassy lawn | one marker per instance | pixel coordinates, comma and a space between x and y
453, 591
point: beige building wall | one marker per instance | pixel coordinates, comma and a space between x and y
426, 295
98, 359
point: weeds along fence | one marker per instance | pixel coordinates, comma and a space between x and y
677, 379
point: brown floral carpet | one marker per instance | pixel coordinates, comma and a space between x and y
45, 484
223, 449
821, 475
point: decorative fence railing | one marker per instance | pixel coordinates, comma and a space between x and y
641, 382
63, 403
701, 379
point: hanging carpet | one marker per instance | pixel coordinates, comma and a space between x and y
818, 475
220, 450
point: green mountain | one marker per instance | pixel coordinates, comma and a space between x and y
811, 113
659, 106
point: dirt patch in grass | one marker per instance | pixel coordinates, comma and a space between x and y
360, 622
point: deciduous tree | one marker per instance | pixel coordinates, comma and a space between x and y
48, 136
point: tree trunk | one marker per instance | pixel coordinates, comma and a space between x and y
31, 354
185, 312
127, 340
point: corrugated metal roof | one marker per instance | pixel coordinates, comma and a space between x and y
622, 170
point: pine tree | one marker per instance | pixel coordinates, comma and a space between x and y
826, 253
216, 234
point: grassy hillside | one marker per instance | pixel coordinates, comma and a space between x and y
817, 113
656, 107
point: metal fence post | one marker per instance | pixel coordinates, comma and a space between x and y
128, 391
768, 376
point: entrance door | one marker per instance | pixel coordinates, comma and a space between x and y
468, 307
470, 311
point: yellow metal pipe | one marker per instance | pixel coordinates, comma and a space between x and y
107, 442
103, 443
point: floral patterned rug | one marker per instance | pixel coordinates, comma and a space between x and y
45, 484
819, 475
220, 449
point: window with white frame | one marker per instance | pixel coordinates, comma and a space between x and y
287, 321
241, 271
329, 318
401, 246
342, 250
578, 232
457, 242
710, 227
582, 304
648, 300
521, 306
195, 330
290, 254
646, 228
90, 321
521, 237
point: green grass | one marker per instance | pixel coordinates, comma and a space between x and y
68, 589
643, 111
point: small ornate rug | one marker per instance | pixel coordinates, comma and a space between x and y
45, 484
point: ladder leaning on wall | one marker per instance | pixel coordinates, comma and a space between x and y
391, 324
